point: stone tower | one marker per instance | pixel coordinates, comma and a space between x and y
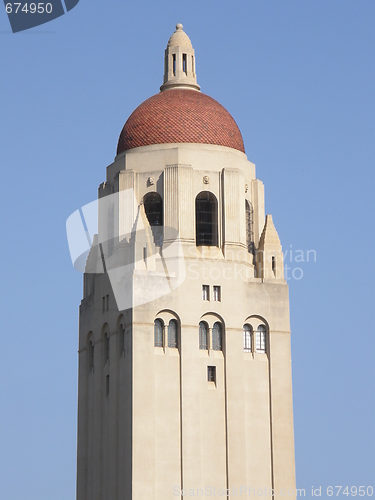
185, 382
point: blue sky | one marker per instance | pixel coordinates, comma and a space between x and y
298, 77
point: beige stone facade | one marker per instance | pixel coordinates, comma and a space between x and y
207, 407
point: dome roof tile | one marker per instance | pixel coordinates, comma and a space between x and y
180, 116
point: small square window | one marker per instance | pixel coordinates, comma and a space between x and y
211, 373
217, 293
205, 292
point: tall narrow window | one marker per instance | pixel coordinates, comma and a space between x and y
217, 293
106, 347
91, 355
274, 265
205, 292
247, 338
184, 64
158, 333
153, 204
172, 333
174, 64
261, 339
206, 219
111, 228
217, 337
121, 340
203, 329
249, 213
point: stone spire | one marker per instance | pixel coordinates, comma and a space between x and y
179, 62
269, 257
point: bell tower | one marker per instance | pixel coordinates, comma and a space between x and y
185, 384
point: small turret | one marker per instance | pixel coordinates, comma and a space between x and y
269, 258
179, 62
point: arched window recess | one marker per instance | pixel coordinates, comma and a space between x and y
217, 337
153, 205
249, 213
247, 331
158, 333
203, 335
261, 339
206, 219
172, 334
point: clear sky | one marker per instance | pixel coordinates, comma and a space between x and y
298, 77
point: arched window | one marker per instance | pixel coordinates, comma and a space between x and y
206, 219
91, 355
172, 333
203, 329
158, 333
247, 338
260, 339
217, 337
249, 212
153, 204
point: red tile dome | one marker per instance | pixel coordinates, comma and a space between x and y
180, 115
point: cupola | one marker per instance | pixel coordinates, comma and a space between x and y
179, 62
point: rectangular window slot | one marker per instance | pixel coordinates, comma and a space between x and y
211, 374
184, 64
174, 64
273, 265
217, 293
205, 292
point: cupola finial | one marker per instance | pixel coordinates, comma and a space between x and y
179, 62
